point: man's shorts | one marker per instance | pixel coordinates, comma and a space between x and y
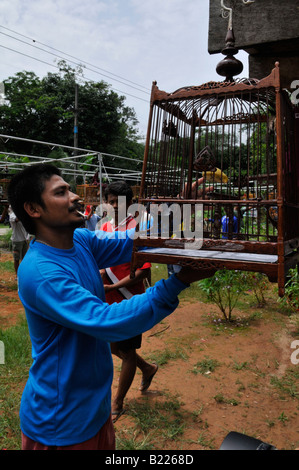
103, 440
19, 250
131, 343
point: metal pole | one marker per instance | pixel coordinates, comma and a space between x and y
100, 157
76, 125
76, 117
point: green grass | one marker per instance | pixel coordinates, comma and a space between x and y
219, 398
159, 271
164, 356
205, 366
7, 266
13, 375
192, 294
5, 241
155, 423
288, 384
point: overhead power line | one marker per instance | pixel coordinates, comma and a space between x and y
29, 56
57, 67
78, 61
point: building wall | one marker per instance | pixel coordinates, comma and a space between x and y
267, 29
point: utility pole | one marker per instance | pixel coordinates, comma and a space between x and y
76, 117
76, 111
100, 160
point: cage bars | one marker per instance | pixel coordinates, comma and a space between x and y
244, 133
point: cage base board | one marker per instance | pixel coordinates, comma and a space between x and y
206, 259
215, 254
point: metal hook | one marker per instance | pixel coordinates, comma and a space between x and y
228, 12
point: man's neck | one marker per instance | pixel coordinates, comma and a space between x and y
63, 241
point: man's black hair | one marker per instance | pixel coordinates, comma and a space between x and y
28, 186
119, 188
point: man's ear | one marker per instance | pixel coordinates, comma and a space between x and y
32, 209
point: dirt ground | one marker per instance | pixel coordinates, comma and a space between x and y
239, 395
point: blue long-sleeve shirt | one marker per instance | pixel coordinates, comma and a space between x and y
67, 398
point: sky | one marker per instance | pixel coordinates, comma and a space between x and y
127, 43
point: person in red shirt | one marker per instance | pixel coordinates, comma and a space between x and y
119, 286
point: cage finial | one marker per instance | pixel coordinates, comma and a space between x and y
230, 66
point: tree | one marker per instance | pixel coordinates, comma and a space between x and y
43, 109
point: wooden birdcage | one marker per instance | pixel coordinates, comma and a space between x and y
3, 189
90, 194
225, 149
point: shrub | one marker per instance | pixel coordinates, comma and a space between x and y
291, 295
5, 241
258, 283
224, 289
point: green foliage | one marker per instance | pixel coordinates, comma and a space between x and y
224, 289
291, 296
258, 283
205, 366
43, 109
7, 266
288, 384
262, 147
164, 419
5, 239
17, 349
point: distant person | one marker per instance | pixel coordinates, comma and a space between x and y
19, 239
103, 212
91, 218
225, 221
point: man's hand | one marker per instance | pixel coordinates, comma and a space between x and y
126, 281
196, 190
109, 287
189, 275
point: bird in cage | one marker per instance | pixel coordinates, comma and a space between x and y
215, 176
170, 129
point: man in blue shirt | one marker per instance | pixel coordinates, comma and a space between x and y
66, 403
225, 221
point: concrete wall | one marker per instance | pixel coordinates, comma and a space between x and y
267, 29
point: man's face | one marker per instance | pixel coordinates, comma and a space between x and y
60, 204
